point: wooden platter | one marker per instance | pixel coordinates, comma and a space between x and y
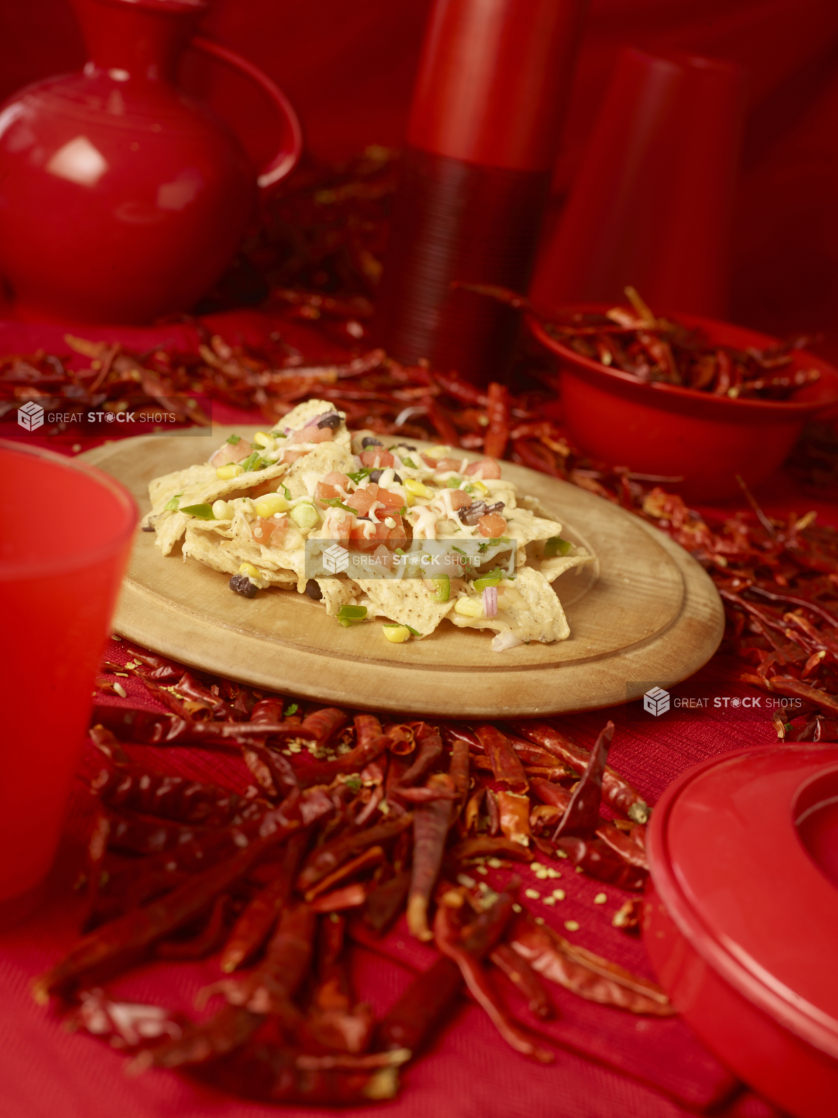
643, 613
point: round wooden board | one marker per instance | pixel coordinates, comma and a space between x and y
644, 612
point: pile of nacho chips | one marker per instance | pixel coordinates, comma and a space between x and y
405, 535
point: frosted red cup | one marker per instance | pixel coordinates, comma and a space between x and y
651, 203
65, 536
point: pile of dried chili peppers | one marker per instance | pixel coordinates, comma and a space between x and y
347, 823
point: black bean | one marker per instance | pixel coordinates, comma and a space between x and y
332, 419
405, 446
375, 476
148, 528
368, 441
313, 590
243, 585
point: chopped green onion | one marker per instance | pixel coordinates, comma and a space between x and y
292, 709
454, 482
171, 506
556, 546
203, 512
402, 510
337, 503
413, 632
411, 465
286, 492
359, 475
254, 462
233, 439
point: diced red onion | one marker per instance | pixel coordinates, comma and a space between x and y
490, 601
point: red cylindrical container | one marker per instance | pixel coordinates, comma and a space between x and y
651, 203
482, 139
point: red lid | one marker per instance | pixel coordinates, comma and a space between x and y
493, 80
744, 857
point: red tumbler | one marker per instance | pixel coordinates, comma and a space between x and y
482, 139
651, 203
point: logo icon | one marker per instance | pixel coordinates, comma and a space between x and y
30, 416
336, 559
656, 701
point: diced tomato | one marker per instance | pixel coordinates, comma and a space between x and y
377, 458
231, 452
442, 465
459, 499
378, 534
492, 525
390, 500
269, 531
484, 468
331, 486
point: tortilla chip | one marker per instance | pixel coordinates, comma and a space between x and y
304, 474
300, 415
534, 614
408, 601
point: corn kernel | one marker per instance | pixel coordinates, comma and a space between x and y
304, 515
417, 488
437, 452
467, 607
398, 634
222, 510
270, 504
262, 438
251, 572
228, 472
409, 499
479, 486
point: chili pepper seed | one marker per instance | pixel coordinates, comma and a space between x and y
600, 898
571, 925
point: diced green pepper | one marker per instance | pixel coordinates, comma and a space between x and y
556, 546
492, 578
349, 614
442, 587
233, 439
172, 505
253, 462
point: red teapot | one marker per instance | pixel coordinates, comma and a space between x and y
122, 198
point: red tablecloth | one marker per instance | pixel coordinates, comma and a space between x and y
607, 1062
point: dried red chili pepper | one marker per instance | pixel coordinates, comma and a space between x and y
506, 766
497, 412
385, 902
207, 940
119, 942
430, 750
332, 854
582, 813
518, 971
258, 917
373, 856
450, 942
616, 790
585, 973
430, 830
600, 861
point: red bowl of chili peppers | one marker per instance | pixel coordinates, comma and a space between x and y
683, 397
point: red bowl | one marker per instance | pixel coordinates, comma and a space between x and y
658, 428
